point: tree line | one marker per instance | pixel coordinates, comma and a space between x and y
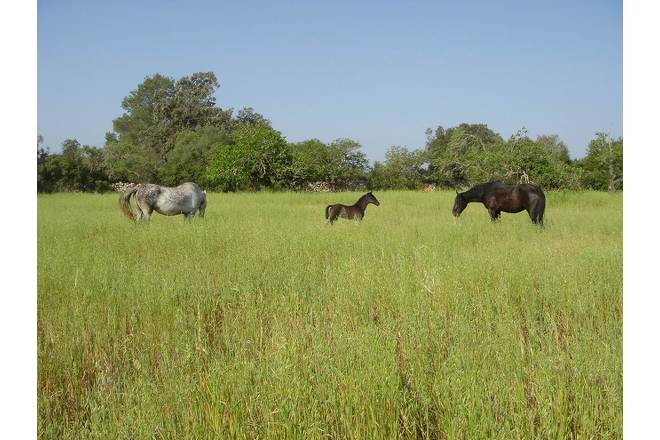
173, 131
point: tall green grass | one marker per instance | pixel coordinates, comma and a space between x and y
261, 321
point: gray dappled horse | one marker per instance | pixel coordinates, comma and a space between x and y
184, 199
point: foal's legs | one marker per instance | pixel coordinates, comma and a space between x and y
189, 216
332, 215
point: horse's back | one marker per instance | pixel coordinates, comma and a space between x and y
531, 188
192, 186
181, 199
148, 192
188, 188
511, 198
521, 189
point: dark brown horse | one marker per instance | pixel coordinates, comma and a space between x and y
356, 211
498, 197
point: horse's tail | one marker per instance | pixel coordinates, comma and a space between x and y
327, 211
540, 207
202, 205
124, 202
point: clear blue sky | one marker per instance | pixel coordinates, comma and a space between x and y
377, 72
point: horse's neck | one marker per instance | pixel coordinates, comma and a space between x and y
361, 204
473, 195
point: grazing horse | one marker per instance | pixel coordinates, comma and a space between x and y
498, 197
356, 211
184, 199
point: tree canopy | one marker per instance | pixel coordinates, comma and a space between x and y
172, 131
603, 165
256, 157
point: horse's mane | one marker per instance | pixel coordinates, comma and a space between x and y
362, 202
362, 198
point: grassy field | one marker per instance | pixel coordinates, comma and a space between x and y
261, 321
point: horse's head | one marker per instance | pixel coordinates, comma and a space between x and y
459, 204
372, 199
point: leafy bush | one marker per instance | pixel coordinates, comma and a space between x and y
256, 158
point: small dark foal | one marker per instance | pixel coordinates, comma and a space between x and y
355, 211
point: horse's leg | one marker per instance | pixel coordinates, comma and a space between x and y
202, 208
189, 216
494, 214
332, 215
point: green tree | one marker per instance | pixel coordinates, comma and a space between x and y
247, 116
479, 135
554, 145
44, 180
191, 104
455, 154
310, 162
77, 168
402, 169
137, 125
71, 166
341, 163
347, 164
128, 162
469, 154
603, 164
521, 160
256, 158
193, 151
454, 160
94, 176
155, 114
